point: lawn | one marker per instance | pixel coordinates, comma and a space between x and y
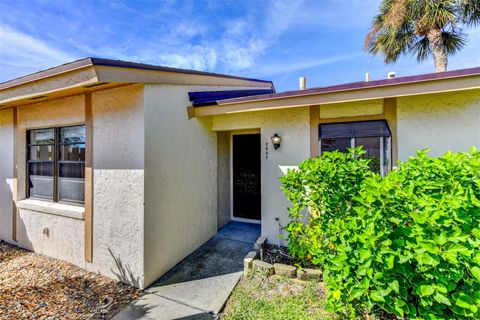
259, 297
33, 286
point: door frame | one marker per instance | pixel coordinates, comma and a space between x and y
234, 133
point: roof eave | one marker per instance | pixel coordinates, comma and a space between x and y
280, 101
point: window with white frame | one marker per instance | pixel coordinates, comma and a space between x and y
374, 136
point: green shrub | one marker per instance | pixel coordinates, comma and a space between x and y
407, 243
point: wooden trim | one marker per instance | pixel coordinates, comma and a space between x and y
15, 175
314, 120
390, 110
88, 219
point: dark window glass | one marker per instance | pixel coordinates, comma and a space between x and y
374, 136
40, 179
41, 152
341, 144
71, 182
42, 136
72, 134
372, 147
56, 161
72, 152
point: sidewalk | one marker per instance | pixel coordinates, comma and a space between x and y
198, 287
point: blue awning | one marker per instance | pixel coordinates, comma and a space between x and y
208, 98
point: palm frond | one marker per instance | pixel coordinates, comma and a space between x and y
421, 49
470, 12
453, 41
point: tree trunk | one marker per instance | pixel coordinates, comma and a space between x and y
438, 49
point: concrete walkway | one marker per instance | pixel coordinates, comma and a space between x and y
198, 286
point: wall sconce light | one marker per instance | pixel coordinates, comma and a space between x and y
276, 141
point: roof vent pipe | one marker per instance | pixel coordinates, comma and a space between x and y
367, 77
391, 75
302, 83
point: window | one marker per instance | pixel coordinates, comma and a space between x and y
56, 164
374, 136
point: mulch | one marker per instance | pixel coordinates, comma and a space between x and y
33, 286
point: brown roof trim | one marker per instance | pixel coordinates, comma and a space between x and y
87, 62
358, 85
143, 66
74, 65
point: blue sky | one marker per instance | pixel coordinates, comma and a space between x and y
272, 40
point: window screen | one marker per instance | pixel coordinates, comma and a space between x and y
377, 128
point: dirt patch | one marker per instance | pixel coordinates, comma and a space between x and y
277, 254
33, 286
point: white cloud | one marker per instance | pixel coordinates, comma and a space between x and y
282, 68
18, 49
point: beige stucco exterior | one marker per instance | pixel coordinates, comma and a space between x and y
180, 177
440, 122
162, 179
293, 125
6, 173
58, 230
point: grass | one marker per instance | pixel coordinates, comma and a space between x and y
259, 297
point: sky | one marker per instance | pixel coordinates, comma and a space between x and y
266, 39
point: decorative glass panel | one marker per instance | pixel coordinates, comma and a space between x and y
72, 134
42, 136
71, 182
40, 179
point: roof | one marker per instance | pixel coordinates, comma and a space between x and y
208, 98
449, 81
361, 85
86, 62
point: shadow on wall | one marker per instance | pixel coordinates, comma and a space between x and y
23, 239
124, 273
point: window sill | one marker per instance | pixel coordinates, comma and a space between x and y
58, 209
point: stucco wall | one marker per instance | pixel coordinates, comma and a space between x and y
118, 161
65, 239
180, 179
441, 122
293, 125
351, 109
6, 173
223, 179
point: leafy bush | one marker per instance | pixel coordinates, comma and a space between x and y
407, 243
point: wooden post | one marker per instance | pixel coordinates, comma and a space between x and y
15, 175
88, 179
390, 112
314, 120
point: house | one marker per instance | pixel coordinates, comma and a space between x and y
125, 168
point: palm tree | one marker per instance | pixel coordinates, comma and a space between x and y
421, 28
